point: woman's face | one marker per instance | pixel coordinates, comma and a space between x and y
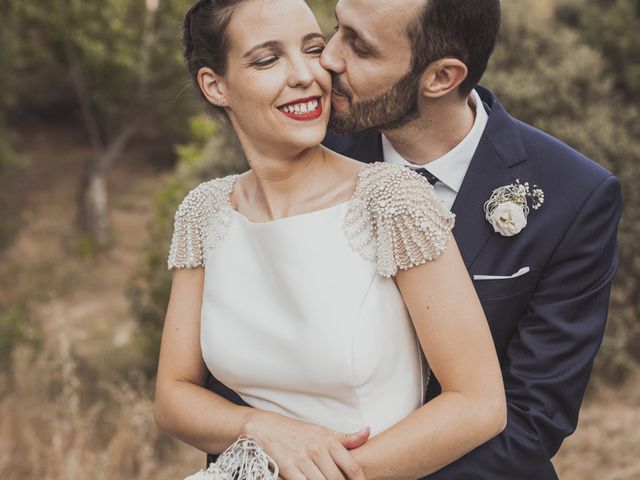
277, 93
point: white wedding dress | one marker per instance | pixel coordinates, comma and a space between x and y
301, 315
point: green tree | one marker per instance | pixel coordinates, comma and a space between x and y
118, 64
611, 28
10, 160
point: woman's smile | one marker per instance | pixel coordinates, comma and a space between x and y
303, 109
276, 65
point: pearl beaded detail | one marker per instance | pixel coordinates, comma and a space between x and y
393, 219
202, 220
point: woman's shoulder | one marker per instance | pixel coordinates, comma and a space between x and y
396, 219
202, 219
210, 193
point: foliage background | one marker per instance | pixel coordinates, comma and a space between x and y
80, 319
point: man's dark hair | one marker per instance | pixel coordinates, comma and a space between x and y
464, 29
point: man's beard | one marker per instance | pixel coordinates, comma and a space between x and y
388, 111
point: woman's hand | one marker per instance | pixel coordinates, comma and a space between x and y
306, 451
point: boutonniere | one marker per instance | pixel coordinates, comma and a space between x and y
508, 207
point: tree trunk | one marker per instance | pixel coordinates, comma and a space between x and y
93, 197
92, 200
93, 207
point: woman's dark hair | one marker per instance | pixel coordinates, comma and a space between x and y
205, 39
464, 29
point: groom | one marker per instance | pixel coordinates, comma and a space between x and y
405, 86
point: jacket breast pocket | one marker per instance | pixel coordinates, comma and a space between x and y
504, 302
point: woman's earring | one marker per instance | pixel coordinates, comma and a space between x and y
219, 102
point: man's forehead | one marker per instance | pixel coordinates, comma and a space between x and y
373, 14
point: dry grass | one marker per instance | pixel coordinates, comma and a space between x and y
55, 425
606, 445
47, 432
66, 417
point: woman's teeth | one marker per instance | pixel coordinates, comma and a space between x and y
300, 108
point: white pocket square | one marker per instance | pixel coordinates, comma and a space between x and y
519, 273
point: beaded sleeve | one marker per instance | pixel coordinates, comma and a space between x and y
395, 219
201, 221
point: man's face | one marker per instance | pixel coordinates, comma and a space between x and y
370, 61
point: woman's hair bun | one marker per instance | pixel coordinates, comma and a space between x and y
204, 36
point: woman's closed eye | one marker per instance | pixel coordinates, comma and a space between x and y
264, 62
269, 60
315, 50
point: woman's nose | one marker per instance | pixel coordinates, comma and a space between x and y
301, 74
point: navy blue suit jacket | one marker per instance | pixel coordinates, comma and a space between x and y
548, 324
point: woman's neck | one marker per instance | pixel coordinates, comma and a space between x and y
280, 184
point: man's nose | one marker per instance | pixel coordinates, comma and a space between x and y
332, 58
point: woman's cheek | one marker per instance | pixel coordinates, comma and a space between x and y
323, 77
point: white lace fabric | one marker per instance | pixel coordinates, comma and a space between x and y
244, 460
394, 219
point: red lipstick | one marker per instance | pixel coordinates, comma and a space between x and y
303, 116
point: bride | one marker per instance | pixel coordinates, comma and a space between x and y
322, 290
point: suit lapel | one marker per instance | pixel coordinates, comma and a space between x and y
486, 172
500, 149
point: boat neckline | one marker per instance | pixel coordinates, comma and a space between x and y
291, 217
298, 215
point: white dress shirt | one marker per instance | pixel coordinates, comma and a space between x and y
451, 168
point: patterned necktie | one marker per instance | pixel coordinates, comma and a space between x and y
432, 179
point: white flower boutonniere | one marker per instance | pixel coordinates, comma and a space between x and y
508, 207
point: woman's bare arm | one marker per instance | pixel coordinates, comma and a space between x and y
455, 337
185, 409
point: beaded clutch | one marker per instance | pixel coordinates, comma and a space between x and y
244, 460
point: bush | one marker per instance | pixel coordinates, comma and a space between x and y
546, 75
15, 330
213, 152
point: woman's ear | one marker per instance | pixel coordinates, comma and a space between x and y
212, 87
442, 77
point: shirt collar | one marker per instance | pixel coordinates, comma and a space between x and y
452, 166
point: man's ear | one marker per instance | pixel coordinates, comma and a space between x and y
442, 77
212, 86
